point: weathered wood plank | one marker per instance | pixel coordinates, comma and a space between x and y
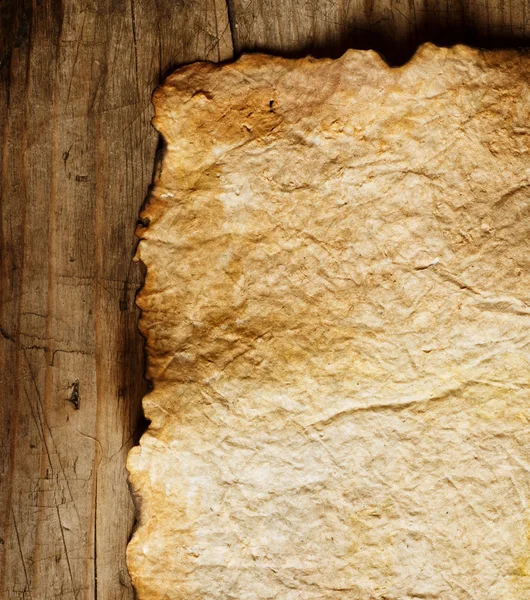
77, 155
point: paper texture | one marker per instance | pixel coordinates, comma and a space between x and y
336, 310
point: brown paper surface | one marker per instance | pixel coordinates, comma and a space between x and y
336, 310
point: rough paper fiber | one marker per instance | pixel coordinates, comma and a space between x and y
336, 312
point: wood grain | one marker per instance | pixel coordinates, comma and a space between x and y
78, 152
77, 156
395, 28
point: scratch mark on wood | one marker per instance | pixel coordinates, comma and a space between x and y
218, 41
6, 335
40, 429
43, 421
231, 22
133, 23
90, 437
74, 592
96, 534
21, 553
75, 60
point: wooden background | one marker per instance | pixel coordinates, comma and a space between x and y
77, 154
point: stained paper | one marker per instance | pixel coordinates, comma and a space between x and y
336, 310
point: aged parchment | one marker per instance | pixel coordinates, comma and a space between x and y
336, 311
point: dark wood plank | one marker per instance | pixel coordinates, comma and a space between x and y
395, 28
77, 156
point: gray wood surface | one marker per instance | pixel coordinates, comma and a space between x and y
76, 157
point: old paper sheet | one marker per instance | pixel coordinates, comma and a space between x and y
336, 311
